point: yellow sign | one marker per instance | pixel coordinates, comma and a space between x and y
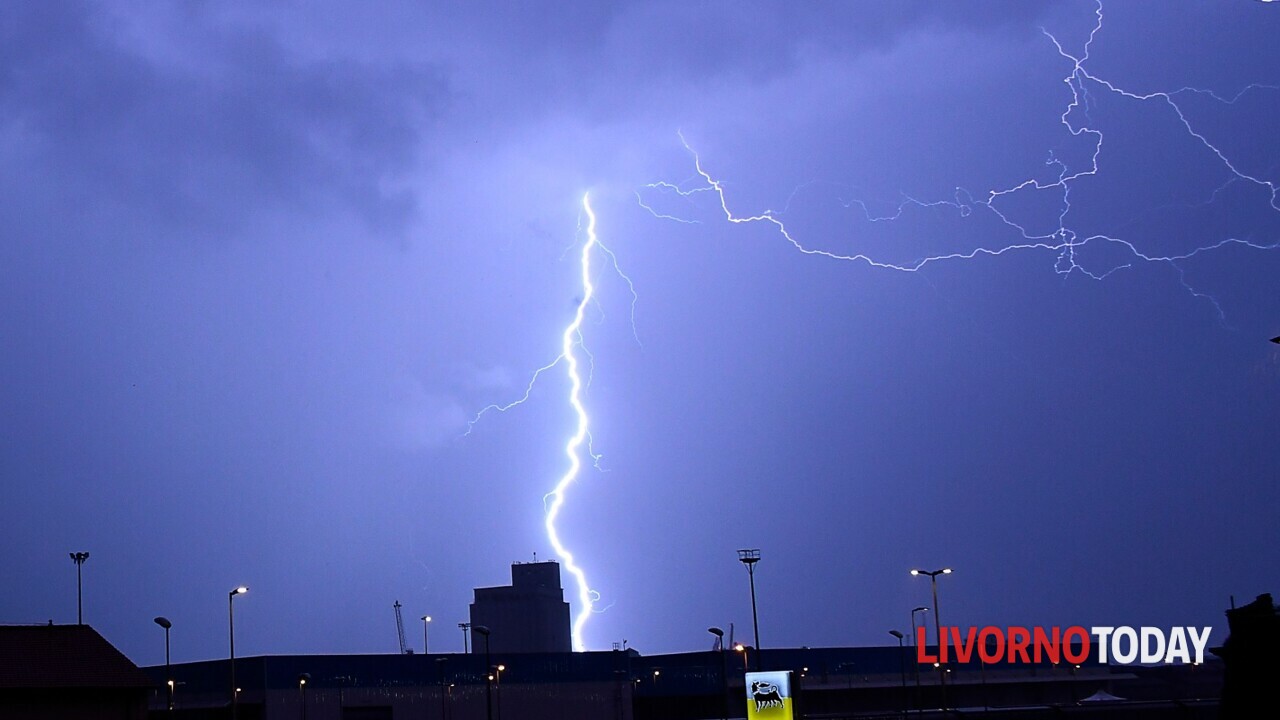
769, 696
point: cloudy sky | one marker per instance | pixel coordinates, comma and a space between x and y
1005, 308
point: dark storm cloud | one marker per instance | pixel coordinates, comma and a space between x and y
96, 132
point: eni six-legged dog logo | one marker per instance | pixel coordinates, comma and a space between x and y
769, 695
766, 695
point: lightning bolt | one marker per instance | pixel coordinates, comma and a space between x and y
1062, 240
579, 443
554, 500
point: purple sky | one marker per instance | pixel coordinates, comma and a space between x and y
261, 266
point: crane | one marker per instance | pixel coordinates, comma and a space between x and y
404, 650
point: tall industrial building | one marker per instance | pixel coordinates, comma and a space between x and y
528, 616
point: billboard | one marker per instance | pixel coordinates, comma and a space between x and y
769, 695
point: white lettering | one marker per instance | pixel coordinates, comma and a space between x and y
1178, 646
1198, 642
1102, 632
1132, 654
1152, 654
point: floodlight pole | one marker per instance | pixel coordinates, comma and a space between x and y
750, 558
78, 558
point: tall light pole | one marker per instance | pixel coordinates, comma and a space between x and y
750, 558
488, 673
724, 672
742, 649
78, 558
303, 679
937, 626
916, 664
464, 627
902, 668
425, 619
231, 630
168, 676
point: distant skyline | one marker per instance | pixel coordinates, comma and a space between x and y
983, 286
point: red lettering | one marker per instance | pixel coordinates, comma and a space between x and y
1049, 646
1019, 640
1083, 655
922, 653
985, 650
942, 646
964, 653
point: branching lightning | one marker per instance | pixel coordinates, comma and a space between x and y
1062, 240
580, 442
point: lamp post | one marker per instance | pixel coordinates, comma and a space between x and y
498, 688
488, 681
464, 627
902, 668
750, 558
440, 671
742, 649
78, 558
916, 664
303, 679
231, 631
724, 672
168, 676
937, 626
425, 620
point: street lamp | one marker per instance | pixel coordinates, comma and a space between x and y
742, 649
724, 672
902, 668
937, 627
231, 631
78, 558
498, 689
168, 677
440, 671
488, 683
303, 679
916, 664
750, 558
425, 619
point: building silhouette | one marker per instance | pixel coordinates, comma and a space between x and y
528, 616
69, 672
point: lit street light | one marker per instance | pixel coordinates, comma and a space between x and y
231, 631
916, 664
498, 688
425, 620
168, 676
937, 626
303, 679
742, 649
